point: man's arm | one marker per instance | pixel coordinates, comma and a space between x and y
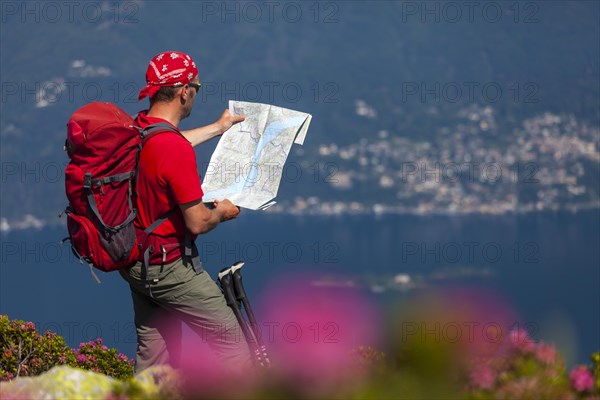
200, 135
199, 219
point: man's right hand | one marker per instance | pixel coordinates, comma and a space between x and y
226, 210
200, 218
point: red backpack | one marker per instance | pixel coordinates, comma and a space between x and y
103, 143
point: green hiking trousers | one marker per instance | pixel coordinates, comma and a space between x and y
174, 293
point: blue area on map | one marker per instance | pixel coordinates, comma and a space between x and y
272, 130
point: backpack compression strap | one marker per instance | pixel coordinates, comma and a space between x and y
89, 183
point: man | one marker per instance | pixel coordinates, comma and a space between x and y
169, 286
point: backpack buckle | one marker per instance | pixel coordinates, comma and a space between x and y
164, 253
87, 180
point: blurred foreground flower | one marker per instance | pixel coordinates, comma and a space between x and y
582, 379
520, 341
311, 332
483, 377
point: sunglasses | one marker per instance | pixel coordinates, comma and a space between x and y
191, 84
195, 85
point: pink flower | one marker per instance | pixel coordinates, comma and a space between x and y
122, 357
483, 377
81, 358
581, 378
104, 348
520, 340
99, 340
545, 353
62, 359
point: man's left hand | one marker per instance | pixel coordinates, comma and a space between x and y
227, 120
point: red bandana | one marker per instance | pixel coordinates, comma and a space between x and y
170, 68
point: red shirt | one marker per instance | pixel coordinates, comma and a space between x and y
167, 177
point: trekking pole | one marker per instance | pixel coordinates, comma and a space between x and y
240, 294
226, 282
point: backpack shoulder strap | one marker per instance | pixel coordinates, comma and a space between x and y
159, 221
146, 134
154, 129
191, 251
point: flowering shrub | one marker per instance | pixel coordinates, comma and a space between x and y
522, 369
94, 356
25, 352
532, 370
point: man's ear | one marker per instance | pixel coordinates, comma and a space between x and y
188, 91
184, 93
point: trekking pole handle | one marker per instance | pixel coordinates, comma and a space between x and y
228, 291
238, 286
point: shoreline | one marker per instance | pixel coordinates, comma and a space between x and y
338, 209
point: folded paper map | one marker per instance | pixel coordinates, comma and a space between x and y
247, 165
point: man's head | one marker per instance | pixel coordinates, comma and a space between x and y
172, 77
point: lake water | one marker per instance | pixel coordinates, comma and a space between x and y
545, 265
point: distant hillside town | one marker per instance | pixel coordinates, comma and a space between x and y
550, 163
